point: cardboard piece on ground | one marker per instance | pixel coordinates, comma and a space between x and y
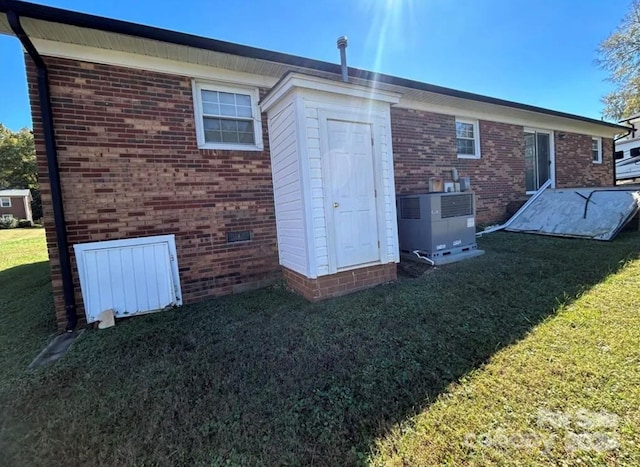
106, 319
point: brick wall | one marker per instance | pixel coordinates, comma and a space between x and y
424, 146
130, 167
574, 166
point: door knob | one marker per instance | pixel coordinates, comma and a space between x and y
335, 205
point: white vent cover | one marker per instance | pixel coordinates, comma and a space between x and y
131, 276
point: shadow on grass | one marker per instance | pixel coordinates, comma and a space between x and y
267, 378
26, 315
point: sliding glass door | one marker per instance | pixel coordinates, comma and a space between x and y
538, 158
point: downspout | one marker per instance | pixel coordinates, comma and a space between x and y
52, 166
631, 130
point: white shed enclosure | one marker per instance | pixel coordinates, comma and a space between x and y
332, 165
129, 276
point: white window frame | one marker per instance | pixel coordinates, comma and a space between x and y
476, 137
3, 201
253, 93
599, 159
7, 217
552, 154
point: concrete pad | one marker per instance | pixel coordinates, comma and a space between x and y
56, 349
444, 259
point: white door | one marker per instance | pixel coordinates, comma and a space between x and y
351, 194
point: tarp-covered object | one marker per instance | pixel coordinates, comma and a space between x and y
596, 213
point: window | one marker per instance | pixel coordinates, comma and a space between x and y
227, 117
467, 139
7, 217
596, 150
5, 202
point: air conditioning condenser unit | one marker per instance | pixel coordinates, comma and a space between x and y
438, 226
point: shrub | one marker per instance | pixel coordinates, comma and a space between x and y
23, 223
8, 223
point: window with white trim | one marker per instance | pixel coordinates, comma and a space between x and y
467, 139
7, 217
596, 150
5, 202
227, 117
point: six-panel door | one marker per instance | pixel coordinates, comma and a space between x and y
351, 193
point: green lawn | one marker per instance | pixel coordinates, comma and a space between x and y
526, 355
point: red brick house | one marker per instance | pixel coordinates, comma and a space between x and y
16, 204
241, 154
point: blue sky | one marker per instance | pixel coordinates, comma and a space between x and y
540, 53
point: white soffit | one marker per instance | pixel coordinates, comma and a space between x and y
67, 34
4, 25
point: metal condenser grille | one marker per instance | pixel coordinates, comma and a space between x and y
456, 205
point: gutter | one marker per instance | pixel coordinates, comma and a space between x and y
52, 166
83, 20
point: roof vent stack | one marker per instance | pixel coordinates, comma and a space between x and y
342, 45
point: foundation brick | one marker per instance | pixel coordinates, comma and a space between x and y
342, 283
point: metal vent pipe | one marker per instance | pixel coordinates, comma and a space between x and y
342, 45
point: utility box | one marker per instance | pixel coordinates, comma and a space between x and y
438, 226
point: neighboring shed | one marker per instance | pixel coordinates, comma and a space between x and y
259, 164
16, 204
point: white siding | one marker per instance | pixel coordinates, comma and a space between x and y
378, 116
128, 276
312, 127
297, 118
287, 187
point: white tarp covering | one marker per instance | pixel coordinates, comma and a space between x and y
595, 213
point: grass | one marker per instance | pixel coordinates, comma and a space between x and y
567, 394
514, 357
26, 311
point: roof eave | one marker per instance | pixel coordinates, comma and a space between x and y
58, 15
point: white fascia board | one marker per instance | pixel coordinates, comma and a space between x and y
298, 80
495, 113
145, 62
